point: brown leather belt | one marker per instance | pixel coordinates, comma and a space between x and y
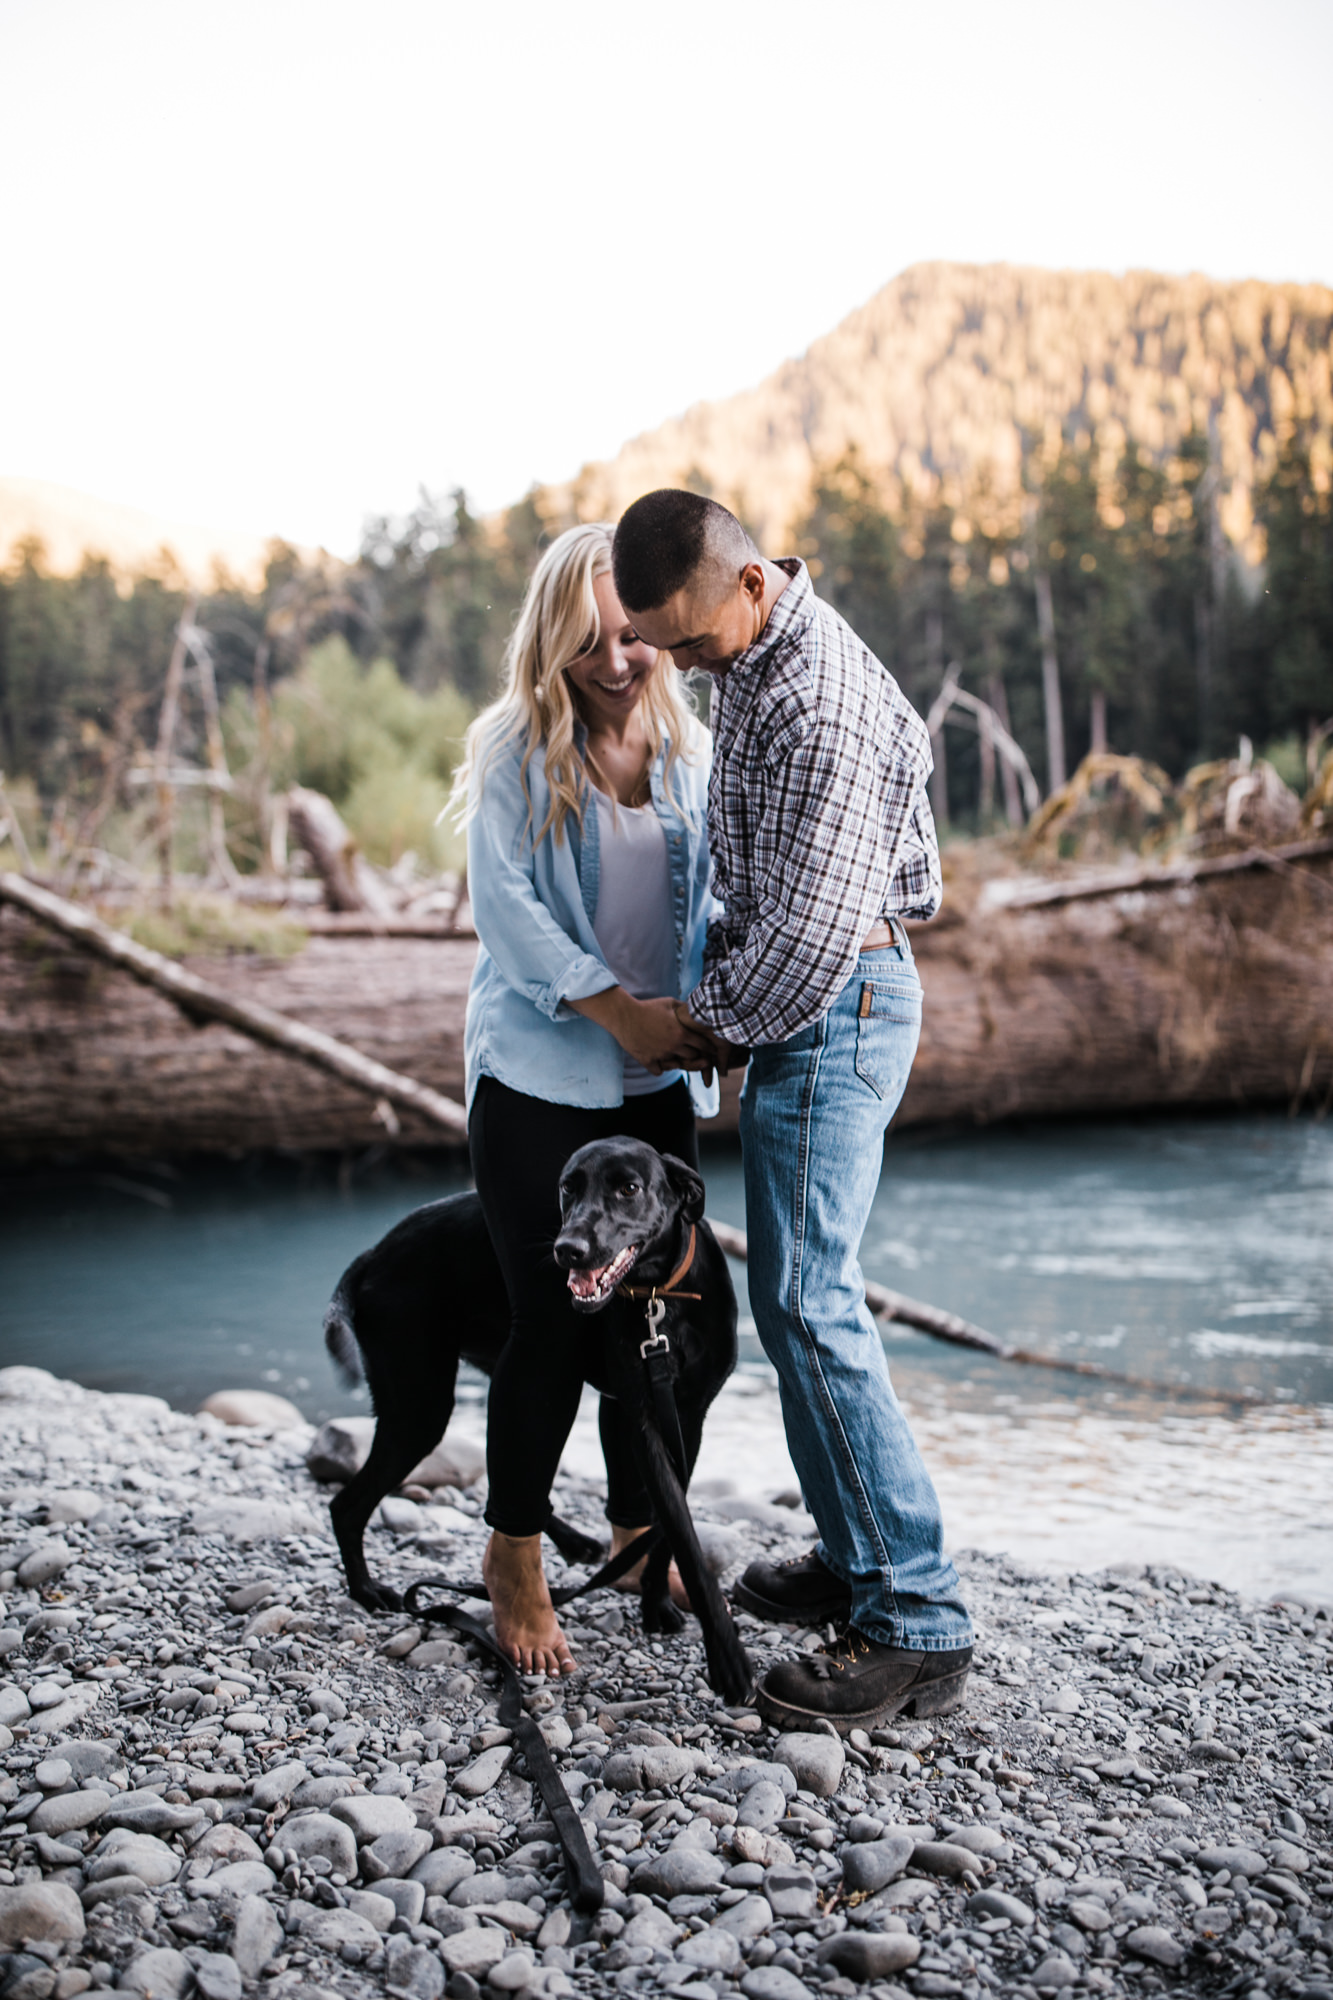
880, 936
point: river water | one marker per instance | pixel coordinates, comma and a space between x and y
1195, 1254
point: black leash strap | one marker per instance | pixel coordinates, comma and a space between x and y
586, 1889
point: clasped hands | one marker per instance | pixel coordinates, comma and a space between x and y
663, 1034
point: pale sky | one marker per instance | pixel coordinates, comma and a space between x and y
275, 264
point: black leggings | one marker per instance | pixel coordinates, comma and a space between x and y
519, 1145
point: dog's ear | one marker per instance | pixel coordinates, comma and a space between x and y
687, 1185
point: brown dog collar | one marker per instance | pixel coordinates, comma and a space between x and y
682, 1270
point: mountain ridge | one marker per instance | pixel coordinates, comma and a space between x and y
949, 373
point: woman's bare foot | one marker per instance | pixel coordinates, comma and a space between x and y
525, 1622
633, 1579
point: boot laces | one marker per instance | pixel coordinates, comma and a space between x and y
840, 1654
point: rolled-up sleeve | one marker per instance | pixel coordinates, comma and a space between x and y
532, 952
834, 821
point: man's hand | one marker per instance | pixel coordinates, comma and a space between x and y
722, 1055
650, 1030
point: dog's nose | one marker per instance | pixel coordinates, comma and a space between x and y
571, 1250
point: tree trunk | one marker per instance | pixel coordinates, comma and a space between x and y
166, 737
221, 872
1050, 686
1218, 992
1098, 722
999, 701
349, 883
939, 777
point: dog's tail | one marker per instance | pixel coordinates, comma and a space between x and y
340, 1333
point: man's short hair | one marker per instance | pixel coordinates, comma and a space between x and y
666, 539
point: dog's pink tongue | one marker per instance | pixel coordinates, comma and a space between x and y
584, 1284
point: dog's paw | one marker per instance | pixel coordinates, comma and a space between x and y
731, 1675
661, 1615
378, 1597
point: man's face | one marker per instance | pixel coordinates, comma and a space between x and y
700, 629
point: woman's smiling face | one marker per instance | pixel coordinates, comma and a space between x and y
611, 675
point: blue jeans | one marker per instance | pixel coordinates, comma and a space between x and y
813, 1118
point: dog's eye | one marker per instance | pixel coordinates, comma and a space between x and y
630, 1189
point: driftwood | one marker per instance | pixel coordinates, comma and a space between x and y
350, 884
947, 1326
892, 1305
1217, 994
1011, 892
166, 737
200, 1000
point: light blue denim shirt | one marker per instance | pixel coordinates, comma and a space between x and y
534, 911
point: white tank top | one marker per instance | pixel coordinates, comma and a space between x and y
632, 923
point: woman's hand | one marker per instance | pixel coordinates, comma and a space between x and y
650, 1030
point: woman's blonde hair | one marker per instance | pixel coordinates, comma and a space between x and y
559, 621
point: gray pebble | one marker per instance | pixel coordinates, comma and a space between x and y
773, 1982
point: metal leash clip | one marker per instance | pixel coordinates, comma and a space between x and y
657, 1340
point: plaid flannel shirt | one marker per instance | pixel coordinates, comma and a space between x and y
819, 822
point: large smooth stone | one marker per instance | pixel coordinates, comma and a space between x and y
257, 1936
158, 1974
68, 1811
685, 1870
762, 1806
867, 1866
864, 1955
712, 1950
411, 1972
408, 1898
238, 1878
941, 1857
136, 1854
994, 1903
1239, 1860
254, 1409
377, 1910
749, 1918
1158, 1945
394, 1854
316, 1833
217, 1977
773, 1982
476, 1951
332, 1929
815, 1761
476, 1779
45, 1564
277, 1785
371, 1814
38, 1913
442, 1870
792, 1893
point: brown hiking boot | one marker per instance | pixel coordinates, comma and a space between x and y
855, 1683
801, 1591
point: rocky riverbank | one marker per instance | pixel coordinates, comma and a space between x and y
222, 1778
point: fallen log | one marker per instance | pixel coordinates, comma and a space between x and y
1217, 994
891, 1305
1014, 892
200, 1000
947, 1326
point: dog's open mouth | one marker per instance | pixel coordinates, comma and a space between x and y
594, 1288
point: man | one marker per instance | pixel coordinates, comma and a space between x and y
822, 842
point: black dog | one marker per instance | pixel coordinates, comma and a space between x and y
431, 1293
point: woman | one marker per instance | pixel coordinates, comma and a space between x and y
588, 877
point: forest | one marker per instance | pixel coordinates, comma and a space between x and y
1102, 607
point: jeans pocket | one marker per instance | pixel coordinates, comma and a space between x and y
888, 1026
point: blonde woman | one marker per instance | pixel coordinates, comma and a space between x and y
588, 873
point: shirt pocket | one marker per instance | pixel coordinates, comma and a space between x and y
888, 1027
